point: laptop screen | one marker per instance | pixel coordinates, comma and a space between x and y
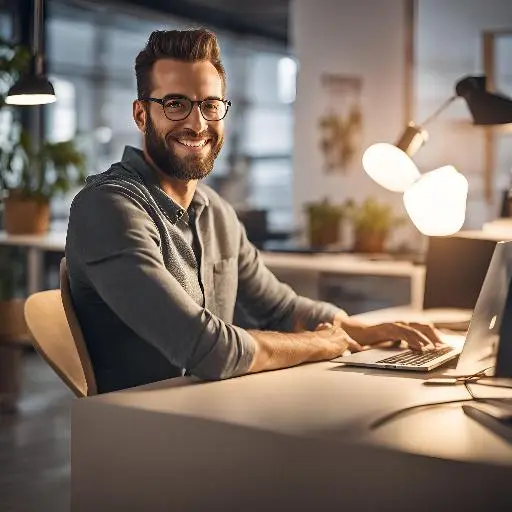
504, 349
455, 271
492, 314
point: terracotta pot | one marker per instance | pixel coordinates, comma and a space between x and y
323, 232
26, 215
369, 241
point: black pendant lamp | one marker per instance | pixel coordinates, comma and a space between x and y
33, 88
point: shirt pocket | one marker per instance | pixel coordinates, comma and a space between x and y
225, 285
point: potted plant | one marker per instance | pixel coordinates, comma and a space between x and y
324, 223
372, 222
30, 176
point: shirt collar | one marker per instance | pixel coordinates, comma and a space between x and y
135, 158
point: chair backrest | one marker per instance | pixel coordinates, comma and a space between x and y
58, 338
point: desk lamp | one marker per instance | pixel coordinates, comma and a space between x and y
435, 201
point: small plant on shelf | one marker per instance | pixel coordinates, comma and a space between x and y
324, 223
372, 222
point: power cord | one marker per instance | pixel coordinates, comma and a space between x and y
466, 380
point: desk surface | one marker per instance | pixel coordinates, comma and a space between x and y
297, 435
51, 241
330, 401
326, 401
335, 263
341, 263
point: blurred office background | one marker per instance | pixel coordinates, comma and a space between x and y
381, 63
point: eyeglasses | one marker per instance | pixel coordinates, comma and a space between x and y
177, 108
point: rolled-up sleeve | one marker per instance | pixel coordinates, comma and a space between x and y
274, 305
119, 247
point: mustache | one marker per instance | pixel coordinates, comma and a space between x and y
191, 134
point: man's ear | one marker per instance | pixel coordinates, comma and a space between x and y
139, 115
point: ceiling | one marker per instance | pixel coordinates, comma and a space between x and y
264, 18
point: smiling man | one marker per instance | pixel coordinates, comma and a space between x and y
158, 261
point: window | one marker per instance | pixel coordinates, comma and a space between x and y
90, 53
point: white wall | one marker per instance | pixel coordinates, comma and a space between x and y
367, 38
449, 46
364, 38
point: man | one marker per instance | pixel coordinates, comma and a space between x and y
157, 260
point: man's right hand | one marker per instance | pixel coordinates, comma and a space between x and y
276, 350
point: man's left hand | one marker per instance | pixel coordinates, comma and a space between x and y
418, 336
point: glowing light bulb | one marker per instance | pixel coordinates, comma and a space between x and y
436, 203
390, 167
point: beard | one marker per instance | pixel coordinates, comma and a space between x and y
183, 168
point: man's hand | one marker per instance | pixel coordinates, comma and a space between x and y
337, 335
275, 350
421, 337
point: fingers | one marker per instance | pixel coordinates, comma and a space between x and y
415, 338
353, 346
429, 332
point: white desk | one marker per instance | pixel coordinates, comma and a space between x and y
296, 439
36, 246
311, 264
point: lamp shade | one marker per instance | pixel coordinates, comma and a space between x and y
390, 167
487, 108
436, 203
31, 90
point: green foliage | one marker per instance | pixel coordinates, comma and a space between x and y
372, 216
33, 171
324, 209
323, 222
50, 170
14, 60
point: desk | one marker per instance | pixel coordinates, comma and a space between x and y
36, 246
295, 439
310, 264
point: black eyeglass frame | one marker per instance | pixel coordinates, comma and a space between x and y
162, 101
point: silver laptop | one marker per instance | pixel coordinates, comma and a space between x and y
475, 348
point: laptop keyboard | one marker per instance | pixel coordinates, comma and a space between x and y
411, 358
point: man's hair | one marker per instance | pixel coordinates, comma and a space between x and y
185, 45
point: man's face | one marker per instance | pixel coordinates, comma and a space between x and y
183, 149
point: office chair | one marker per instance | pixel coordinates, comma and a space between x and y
58, 338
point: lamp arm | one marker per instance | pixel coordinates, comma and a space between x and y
443, 107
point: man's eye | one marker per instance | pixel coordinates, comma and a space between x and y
174, 105
211, 105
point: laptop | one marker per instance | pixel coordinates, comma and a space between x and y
475, 348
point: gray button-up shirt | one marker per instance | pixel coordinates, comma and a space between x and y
155, 290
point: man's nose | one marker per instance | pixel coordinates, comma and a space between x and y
195, 121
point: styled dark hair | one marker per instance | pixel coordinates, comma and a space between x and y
185, 45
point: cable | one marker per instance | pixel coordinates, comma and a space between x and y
466, 380
391, 416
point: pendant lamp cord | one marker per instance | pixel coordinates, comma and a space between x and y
37, 34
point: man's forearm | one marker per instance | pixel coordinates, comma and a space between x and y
274, 350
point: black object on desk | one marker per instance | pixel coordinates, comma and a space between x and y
455, 271
495, 414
